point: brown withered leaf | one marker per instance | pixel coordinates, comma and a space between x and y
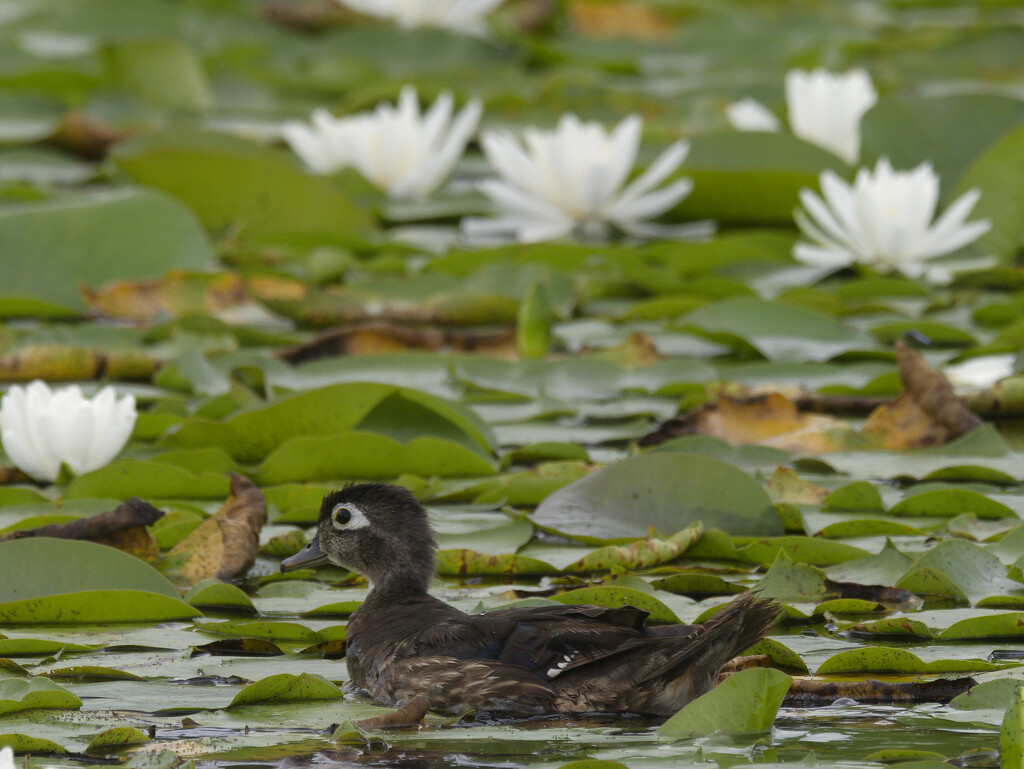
307, 17
376, 337
810, 691
736, 664
243, 647
926, 413
132, 514
410, 714
176, 294
59, 363
609, 19
9, 475
85, 136
769, 420
332, 650
225, 545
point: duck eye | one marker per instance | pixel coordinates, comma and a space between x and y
341, 515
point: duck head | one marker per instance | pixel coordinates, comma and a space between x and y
376, 529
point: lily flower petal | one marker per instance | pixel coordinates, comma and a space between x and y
751, 115
403, 152
884, 220
42, 428
464, 16
571, 179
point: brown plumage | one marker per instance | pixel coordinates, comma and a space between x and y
402, 642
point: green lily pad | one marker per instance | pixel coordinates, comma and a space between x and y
952, 502
93, 238
666, 491
900, 627
285, 687
232, 182
45, 580
39, 647
791, 582
974, 571
999, 693
881, 659
267, 630
463, 562
642, 554
751, 178
884, 568
856, 496
23, 743
365, 455
400, 414
116, 737
214, 594
138, 478
17, 695
779, 332
990, 626
1011, 733
745, 703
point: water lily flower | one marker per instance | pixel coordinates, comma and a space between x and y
884, 220
402, 152
465, 16
6, 758
573, 179
43, 428
981, 372
322, 143
824, 108
751, 115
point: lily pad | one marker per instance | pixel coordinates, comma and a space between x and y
44, 580
17, 695
779, 332
365, 455
667, 491
400, 414
94, 238
285, 687
214, 594
232, 182
880, 659
744, 704
117, 737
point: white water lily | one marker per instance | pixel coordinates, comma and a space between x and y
573, 179
466, 16
43, 428
883, 220
322, 143
751, 115
981, 372
403, 152
6, 758
823, 107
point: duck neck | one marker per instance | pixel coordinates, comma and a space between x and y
402, 583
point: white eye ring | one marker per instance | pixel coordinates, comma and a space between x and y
347, 516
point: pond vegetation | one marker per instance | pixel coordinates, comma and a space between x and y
622, 350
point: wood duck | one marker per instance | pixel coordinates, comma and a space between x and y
403, 643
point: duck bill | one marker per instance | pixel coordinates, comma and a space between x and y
308, 557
